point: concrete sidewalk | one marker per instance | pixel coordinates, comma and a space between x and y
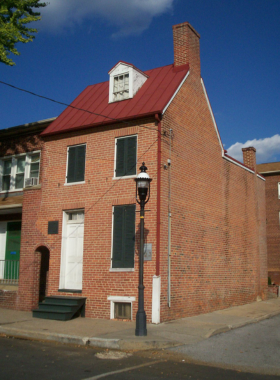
121, 335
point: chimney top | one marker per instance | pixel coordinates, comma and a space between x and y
249, 157
186, 46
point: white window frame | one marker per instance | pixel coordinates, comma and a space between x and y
120, 93
128, 71
122, 299
115, 158
14, 168
79, 182
278, 190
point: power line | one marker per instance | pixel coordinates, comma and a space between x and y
77, 108
113, 185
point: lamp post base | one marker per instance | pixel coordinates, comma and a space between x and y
141, 329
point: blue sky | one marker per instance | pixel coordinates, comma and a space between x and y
80, 41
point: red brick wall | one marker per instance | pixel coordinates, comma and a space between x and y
218, 255
97, 196
8, 299
273, 226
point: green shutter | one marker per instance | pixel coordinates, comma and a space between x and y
76, 163
80, 163
131, 155
124, 236
120, 160
126, 156
129, 236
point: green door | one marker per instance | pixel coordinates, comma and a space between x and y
12, 251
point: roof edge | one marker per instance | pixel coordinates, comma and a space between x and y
108, 122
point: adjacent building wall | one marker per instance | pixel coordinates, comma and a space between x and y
271, 172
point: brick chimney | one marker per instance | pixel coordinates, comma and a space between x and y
186, 46
249, 157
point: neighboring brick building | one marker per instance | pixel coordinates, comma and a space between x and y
271, 172
85, 214
20, 169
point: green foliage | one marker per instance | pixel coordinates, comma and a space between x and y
269, 281
14, 15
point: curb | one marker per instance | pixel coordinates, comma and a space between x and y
27, 334
117, 344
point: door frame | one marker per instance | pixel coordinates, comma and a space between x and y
63, 259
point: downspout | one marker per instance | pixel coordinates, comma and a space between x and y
158, 195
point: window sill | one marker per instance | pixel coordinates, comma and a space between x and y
121, 270
125, 177
74, 183
69, 291
11, 191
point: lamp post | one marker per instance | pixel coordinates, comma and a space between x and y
143, 189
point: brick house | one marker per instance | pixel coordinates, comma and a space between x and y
271, 173
20, 170
205, 229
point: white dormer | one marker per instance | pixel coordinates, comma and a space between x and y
125, 81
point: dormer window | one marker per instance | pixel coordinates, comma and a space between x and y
121, 87
125, 81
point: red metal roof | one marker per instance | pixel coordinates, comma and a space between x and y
151, 98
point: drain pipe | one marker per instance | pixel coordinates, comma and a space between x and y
158, 195
169, 222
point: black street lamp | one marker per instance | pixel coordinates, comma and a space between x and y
143, 186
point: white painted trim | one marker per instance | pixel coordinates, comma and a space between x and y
156, 299
115, 157
121, 270
64, 245
63, 249
260, 177
114, 299
212, 115
175, 93
74, 183
274, 171
18, 205
125, 177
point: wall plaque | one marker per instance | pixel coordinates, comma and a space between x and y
53, 227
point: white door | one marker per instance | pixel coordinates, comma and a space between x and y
3, 233
74, 251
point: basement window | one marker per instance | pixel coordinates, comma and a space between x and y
121, 307
122, 310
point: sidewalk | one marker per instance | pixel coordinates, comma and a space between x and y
121, 335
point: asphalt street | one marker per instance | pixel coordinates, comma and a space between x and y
30, 360
254, 347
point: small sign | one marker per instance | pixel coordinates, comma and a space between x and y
13, 253
148, 252
53, 227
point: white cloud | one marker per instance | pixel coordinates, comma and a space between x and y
128, 16
268, 149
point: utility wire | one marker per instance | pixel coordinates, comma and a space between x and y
111, 187
77, 108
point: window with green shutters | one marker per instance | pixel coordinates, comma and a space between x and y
76, 163
123, 236
126, 156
